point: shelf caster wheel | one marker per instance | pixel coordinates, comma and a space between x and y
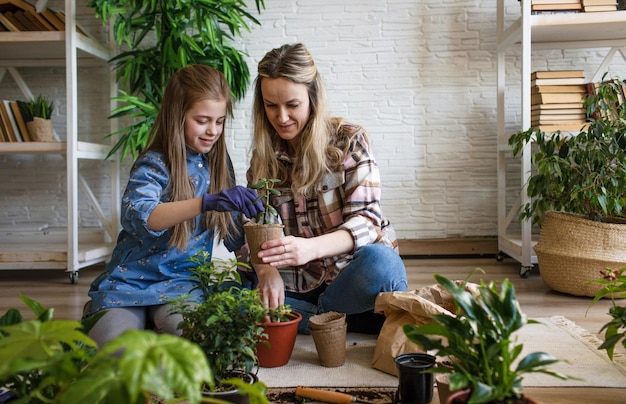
524, 271
499, 256
74, 277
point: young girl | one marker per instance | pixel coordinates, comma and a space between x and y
180, 192
339, 251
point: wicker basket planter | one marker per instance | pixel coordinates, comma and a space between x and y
572, 249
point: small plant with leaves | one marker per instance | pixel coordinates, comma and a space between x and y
54, 361
614, 287
265, 188
226, 323
481, 344
39, 107
584, 173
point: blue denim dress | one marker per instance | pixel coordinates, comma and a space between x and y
144, 270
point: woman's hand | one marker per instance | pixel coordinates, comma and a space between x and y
294, 251
288, 251
271, 286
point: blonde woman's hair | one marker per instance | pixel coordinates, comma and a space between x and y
186, 87
317, 153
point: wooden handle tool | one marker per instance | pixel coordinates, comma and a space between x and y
325, 396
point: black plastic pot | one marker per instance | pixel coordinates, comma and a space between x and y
415, 384
233, 396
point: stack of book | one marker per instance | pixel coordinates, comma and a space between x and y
557, 100
591, 6
542, 6
13, 122
19, 16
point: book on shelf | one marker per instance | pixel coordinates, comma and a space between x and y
16, 129
557, 81
555, 74
568, 88
557, 98
556, 1
595, 9
563, 127
7, 123
575, 6
599, 3
38, 19
53, 19
567, 106
7, 24
18, 114
558, 119
19, 15
13, 121
557, 111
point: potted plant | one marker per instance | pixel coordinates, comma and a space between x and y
265, 226
38, 117
613, 286
480, 344
226, 324
577, 193
54, 361
159, 38
280, 330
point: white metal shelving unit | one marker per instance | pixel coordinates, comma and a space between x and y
538, 32
67, 49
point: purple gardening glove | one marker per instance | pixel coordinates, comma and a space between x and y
240, 199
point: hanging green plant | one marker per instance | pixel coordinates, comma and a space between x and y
159, 38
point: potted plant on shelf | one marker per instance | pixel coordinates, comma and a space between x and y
160, 37
226, 325
577, 193
47, 360
264, 227
38, 117
479, 344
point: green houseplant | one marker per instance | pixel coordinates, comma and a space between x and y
479, 342
613, 283
265, 226
226, 324
160, 37
38, 117
54, 361
576, 192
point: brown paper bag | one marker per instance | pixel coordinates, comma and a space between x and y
411, 307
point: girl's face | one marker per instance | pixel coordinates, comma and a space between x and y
286, 106
204, 124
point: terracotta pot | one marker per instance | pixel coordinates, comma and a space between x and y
257, 234
276, 347
461, 397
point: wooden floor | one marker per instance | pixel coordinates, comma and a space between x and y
52, 288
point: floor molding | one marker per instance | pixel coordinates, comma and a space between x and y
465, 246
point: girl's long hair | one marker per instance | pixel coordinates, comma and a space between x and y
317, 153
187, 86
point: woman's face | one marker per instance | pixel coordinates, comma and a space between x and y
286, 105
204, 124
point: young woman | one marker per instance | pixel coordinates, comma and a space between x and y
339, 251
181, 190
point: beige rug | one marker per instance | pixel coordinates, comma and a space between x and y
558, 336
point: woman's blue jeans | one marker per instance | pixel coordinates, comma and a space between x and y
375, 268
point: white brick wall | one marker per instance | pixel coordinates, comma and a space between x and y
418, 75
